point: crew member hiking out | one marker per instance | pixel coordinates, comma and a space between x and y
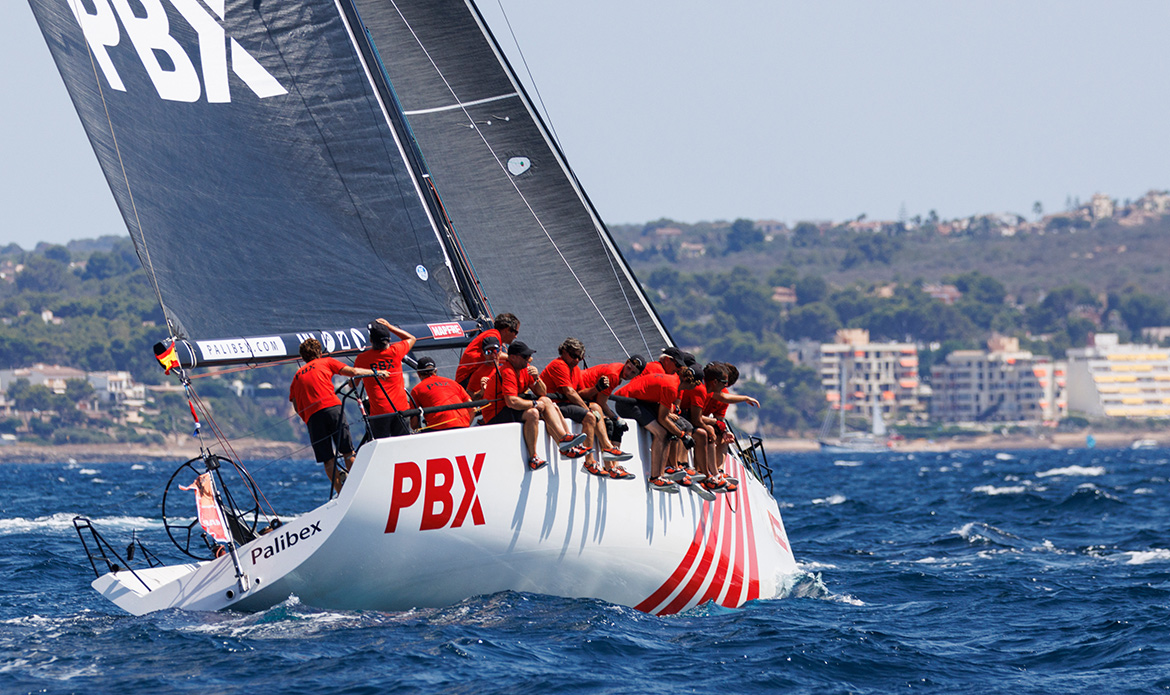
514, 378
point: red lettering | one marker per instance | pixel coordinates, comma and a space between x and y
402, 497
470, 474
438, 494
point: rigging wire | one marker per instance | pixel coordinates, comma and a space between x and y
557, 139
503, 167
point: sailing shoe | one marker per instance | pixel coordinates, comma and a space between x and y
569, 441
728, 485
591, 467
663, 485
703, 492
619, 473
713, 485
575, 452
672, 473
615, 454
695, 475
536, 463
685, 481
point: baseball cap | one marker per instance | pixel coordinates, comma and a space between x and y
519, 348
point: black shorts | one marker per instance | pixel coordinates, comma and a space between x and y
507, 415
329, 433
684, 424
387, 425
573, 412
644, 412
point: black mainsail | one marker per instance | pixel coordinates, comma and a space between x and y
272, 183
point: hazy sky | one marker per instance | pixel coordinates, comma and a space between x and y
767, 109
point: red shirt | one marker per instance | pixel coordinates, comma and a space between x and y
439, 390
693, 398
508, 382
714, 407
387, 360
587, 379
473, 357
558, 375
654, 368
655, 388
312, 387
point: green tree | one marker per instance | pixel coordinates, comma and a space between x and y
743, 236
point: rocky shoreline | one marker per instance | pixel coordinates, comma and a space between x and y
264, 450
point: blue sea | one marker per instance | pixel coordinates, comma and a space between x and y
977, 572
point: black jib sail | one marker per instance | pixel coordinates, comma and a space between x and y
255, 162
537, 245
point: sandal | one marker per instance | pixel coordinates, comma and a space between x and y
536, 463
672, 473
713, 485
591, 467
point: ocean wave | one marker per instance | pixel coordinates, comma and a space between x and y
1004, 490
830, 500
1142, 557
1073, 470
847, 464
64, 521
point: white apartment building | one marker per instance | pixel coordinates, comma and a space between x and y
1000, 384
1113, 380
884, 374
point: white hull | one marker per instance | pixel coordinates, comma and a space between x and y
558, 531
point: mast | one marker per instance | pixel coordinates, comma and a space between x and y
464, 275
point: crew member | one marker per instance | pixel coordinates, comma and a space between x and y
435, 390
505, 328
311, 393
387, 397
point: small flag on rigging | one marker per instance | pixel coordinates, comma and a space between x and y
210, 515
166, 357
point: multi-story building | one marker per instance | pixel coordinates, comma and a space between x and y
1000, 384
883, 374
1114, 380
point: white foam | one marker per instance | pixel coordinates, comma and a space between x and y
831, 500
1143, 491
847, 464
1005, 490
1141, 557
1002, 456
87, 471
63, 521
813, 566
1073, 470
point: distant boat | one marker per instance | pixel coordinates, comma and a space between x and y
852, 442
1144, 444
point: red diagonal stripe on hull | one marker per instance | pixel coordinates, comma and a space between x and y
753, 560
696, 581
680, 572
719, 581
735, 591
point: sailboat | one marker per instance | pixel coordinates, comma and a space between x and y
294, 169
847, 441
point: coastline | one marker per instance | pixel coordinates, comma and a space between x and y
1053, 440
264, 450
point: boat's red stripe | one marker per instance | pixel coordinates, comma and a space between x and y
719, 581
696, 581
735, 592
680, 572
753, 560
